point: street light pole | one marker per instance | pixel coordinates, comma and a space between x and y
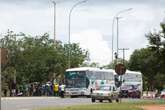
54, 33
69, 25
0, 74
117, 20
116, 17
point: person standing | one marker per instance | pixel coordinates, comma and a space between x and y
62, 90
56, 89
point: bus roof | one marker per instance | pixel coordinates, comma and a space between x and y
131, 72
89, 69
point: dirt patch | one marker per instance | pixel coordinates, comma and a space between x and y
154, 107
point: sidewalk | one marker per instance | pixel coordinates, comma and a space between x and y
154, 107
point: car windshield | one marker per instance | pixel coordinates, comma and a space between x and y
105, 88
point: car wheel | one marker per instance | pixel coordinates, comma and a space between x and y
139, 96
110, 101
73, 96
100, 100
93, 100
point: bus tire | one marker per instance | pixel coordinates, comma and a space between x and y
110, 101
100, 100
93, 100
73, 96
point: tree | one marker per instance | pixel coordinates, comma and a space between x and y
37, 59
151, 60
112, 64
93, 64
77, 54
142, 60
10, 43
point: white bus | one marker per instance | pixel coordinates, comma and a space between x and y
133, 78
82, 81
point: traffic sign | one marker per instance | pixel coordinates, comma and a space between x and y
120, 69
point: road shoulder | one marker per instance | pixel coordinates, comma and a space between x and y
153, 107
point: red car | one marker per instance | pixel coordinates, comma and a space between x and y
162, 95
130, 91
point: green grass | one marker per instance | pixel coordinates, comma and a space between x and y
131, 105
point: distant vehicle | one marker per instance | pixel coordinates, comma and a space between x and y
105, 92
132, 84
130, 91
162, 95
82, 81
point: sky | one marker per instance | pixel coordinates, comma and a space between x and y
91, 22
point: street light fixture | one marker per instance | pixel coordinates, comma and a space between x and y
116, 17
78, 3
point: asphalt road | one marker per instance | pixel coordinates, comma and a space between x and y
32, 103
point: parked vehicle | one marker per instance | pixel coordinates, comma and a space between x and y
130, 91
105, 92
132, 84
133, 78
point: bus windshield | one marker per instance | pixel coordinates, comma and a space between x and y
76, 79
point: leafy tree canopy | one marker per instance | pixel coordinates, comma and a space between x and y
37, 58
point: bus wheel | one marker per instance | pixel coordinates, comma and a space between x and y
110, 101
93, 100
100, 100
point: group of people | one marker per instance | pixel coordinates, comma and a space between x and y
37, 89
48, 89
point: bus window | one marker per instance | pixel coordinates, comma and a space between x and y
76, 79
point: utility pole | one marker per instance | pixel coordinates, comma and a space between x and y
123, 49
0, 75
69, 29
117, 17
117, 20
54, 20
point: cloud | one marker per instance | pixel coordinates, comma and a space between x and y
93, 41
91, 22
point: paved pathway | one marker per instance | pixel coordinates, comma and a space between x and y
154, 107
29, 103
